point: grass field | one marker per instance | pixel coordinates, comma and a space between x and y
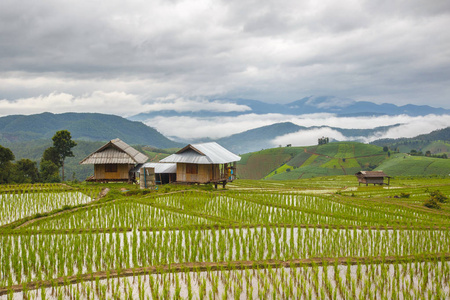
324, 237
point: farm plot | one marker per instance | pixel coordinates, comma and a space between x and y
21, 204
333, 281
286, 243
123, 214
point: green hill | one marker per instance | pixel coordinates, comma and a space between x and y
82, 126
407, 165
437, 142
340, 158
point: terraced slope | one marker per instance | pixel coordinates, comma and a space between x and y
304, 162
342, 158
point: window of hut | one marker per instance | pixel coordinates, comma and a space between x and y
191, 169
111, 168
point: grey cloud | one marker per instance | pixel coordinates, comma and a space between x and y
388, 51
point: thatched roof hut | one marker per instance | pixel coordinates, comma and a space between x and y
372, 177
113, 161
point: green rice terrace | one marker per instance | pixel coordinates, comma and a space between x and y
338, 158
314, 238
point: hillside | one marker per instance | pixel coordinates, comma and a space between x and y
340, 158
82, 126
407, 165
437, 142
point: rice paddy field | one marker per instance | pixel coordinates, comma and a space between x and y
318, 238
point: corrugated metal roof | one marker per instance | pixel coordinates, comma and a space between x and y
161, 167
115, 152
206, 153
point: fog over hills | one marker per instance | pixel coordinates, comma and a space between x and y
307, 105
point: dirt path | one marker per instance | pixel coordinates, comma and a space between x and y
214, 266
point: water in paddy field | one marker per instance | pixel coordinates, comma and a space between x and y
74, 254
17, 206
392, 281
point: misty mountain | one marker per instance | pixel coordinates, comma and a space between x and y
307, 105
437, 135
82, 126
262, 137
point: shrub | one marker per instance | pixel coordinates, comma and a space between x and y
438, 196
432, 203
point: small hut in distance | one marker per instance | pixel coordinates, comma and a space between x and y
114, 161
372, 177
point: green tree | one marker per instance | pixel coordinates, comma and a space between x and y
6, 156
385, 148
63, 144
26, 171
49, 172
51, 154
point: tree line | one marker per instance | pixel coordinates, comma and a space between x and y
27, 171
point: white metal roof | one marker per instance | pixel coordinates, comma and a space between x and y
161, 167
115, 152
206, 153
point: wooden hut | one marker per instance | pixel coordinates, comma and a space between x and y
372, 177
204, 163
113, 162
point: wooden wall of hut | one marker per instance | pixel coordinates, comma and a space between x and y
197, 173
104, 171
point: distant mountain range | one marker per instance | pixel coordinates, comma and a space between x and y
82, 126
262, 137
29, 136
307, 105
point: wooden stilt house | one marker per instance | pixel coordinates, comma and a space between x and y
372, 177
114, 161
204, 163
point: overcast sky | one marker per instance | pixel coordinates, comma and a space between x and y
121, 56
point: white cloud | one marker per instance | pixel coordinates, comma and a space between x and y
417, 126
307, 137
194, 128
179, 104
411, 127
383, 51
118, 103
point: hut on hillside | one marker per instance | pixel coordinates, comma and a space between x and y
114, 161
372, 177
204, 163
